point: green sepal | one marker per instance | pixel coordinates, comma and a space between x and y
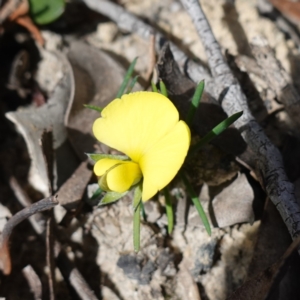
93, 107
111, 197
46, 11
97, 156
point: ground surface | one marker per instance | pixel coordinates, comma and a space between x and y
248, 234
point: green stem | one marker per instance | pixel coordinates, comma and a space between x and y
137, 217
169, 210
196, 202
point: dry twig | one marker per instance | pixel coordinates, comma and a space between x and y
269, 160
71, 273
42, 205
129, 22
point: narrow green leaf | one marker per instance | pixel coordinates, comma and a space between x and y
97, 156
137, 195
169, 210
96, 197
136, 217
96, 194
132, 84
111, 197
154, 88
195, 102
126, 78
215, 132
143, 212
46, 11
196, 202
93, 107
163, 88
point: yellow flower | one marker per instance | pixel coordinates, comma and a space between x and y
146, 127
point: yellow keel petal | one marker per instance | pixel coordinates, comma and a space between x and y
123, 176
103, 165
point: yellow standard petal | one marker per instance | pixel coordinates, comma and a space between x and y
121, 177
136, 122
163, 160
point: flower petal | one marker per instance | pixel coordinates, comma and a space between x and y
162, 162
102, 165
135, 122
123, 176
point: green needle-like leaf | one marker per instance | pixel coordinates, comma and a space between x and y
169, 210
163, 88
126, 78
215, 132
143, 212
136, 217
195, 102
97, 193
94, 200
93, 107
111, 197
97, 156
196, 202
132, 84
154, 88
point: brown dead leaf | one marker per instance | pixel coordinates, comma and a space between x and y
98, 78
31, 123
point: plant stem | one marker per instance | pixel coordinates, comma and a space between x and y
169, 210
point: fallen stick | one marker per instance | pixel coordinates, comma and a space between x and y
269, 160
129, 22
42, 205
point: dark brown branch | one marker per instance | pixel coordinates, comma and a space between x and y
269, 160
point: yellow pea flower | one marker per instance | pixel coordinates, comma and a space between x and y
145, 126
